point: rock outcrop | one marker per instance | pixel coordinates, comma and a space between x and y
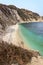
11, 54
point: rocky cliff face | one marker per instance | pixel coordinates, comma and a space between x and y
10, 14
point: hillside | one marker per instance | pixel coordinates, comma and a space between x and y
11, 54
10, 14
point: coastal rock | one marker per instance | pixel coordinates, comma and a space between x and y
11, 54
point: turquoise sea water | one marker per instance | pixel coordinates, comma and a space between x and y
32, 35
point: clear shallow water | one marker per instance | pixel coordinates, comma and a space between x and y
32, 35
